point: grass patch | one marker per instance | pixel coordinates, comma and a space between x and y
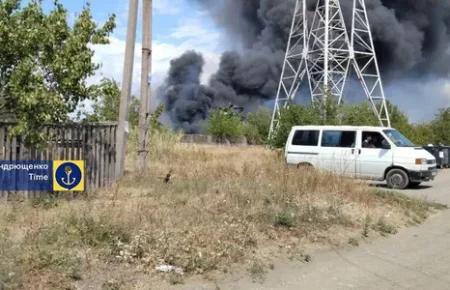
257, 271
44, 202
353, 241
418, 210
384, 228
286, 218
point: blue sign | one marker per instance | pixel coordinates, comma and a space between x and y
25, 175
68, 175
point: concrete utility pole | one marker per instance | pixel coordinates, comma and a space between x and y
145, 85
122, 131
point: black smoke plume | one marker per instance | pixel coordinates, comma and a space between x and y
412, 39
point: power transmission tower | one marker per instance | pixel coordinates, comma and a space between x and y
294, 65
123, 127
145, 85
366, 63
324, 53
329, 51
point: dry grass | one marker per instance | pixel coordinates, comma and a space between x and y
222, 205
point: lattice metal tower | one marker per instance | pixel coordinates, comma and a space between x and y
324, 55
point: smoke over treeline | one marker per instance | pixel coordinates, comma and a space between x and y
412, 38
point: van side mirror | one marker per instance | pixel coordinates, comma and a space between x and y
385, 145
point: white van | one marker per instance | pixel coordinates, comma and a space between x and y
376, 153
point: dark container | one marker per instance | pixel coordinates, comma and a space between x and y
445, 156
437, 153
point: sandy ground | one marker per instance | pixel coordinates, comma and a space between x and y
415, 258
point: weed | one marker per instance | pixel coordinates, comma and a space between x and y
175, 279
257, 271
111, 285
44, 202
286, 218
384, 228
417, 209
366, 226
353, 241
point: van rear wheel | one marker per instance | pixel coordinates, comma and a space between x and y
397, 179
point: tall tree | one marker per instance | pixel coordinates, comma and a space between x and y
45, 62
441, 127
106, 105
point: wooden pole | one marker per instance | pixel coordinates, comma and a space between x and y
145, 85
122, 132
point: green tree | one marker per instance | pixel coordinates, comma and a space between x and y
225, 125
358, 115
328, 110
441, 127
400, 121
257, 126
45, 62
107, 104
423, 134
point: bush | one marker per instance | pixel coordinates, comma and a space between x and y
359, 115
225, 125
440, 126
257, 126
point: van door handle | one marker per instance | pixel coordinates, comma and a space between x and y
355, 150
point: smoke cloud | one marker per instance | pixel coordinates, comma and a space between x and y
412, 40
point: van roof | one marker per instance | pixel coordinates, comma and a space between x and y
316, 127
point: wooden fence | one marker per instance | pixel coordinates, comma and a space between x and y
93, 143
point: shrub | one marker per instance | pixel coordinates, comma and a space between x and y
257, 126
225, 125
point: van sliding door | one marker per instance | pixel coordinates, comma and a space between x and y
337, 152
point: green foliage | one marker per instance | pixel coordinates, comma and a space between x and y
107, 105
155, 123
257, 126
328, 110
400, 121
225, 125
441, 127
423, 134
359, 115
286, 218
45, 62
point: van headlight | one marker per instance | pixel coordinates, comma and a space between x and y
421, 161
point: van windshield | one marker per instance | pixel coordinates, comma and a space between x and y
398, 138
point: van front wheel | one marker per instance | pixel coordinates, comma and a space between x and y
397, 179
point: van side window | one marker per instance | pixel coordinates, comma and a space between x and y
344, 139
373, 140
306, 138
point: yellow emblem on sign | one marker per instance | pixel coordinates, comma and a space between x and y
68, 175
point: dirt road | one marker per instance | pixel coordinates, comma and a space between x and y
415, 258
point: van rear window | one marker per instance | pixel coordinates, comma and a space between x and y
306, 138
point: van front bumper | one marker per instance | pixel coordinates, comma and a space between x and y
425, 175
